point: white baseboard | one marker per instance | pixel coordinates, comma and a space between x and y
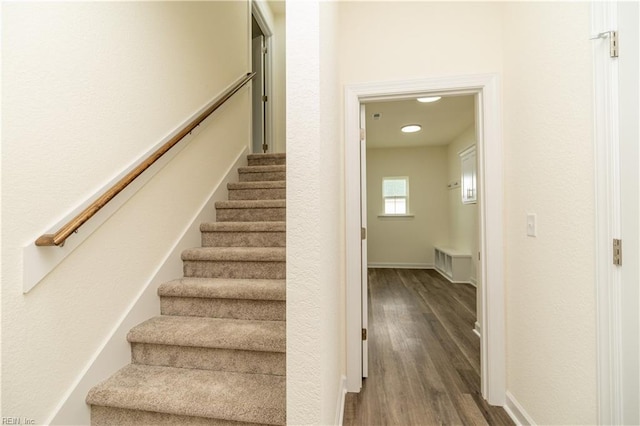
392, 265
516, 411
342, 393
115, 353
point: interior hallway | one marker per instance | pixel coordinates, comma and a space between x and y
424, 358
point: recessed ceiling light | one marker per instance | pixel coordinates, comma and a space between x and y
430, 99
411, 128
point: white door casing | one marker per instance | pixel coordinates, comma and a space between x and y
257, 94
492, 315
617, 161
364, 239
260, 11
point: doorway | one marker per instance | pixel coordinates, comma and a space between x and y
485, 89
261, 87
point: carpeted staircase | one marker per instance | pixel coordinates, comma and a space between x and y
216, 354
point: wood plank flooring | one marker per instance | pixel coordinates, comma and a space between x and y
424, 359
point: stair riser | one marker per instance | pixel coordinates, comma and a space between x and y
258, 194
266, 310
267, 161
109, 416
225, 269
251, 215
261, 176
238, 361
243, 239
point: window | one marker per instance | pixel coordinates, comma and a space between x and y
395, 194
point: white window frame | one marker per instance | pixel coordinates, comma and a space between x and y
406, 197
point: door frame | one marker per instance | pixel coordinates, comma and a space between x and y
608, 192
260, 11
490, 174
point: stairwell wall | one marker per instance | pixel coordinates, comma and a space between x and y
86, 89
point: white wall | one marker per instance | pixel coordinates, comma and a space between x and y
280, 89
86, 89
382, 41
463, 218
315, 216
549, 170
408, 241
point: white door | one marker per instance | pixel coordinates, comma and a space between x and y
363, 224
629, 92
258, 95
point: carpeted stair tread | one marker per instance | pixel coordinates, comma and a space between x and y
251, 204
257, 398
243, 227
235, 254
225, 288
278, 155
109, 416
266, 336
267, 184
262, 169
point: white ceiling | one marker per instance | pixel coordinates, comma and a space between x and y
441, 121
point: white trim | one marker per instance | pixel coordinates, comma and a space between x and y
40, 261
386, 216
342, 394
607, 226
516, 412
487, 88
115, 352
394, 265
473, 281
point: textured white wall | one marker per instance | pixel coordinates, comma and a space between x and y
381, 41
408, 239
87, 88
463, 218
549, 170
315, 216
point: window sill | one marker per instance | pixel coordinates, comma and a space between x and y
396, 215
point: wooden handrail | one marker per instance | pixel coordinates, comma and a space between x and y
59, 237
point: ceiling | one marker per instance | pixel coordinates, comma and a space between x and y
441, 121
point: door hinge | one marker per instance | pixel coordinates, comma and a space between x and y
613, 44
364, 334
264, 98
613, 41
265, 147
363, 233
265, 50
617, 252
362, 134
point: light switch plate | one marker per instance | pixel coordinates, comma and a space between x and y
531, 225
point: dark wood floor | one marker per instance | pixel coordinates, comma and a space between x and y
424, 358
